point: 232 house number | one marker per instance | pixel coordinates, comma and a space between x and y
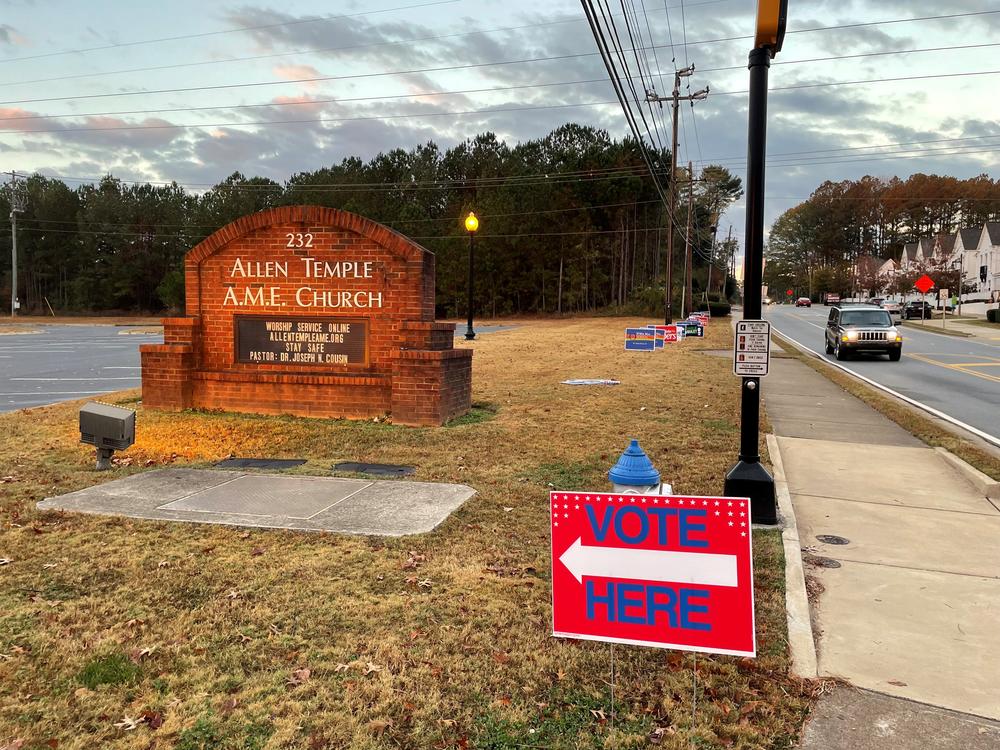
298, 239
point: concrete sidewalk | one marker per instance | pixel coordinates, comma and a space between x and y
901, 549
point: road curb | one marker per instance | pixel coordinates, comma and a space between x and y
985, 484
801, 645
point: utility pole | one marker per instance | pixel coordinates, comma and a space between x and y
688, 269
675, 98
17, 204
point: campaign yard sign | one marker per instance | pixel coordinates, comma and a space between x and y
640, 339
653, 570
668, 332
693, 328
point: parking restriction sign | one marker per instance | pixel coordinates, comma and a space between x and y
752, 348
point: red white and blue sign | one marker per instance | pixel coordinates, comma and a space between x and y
653, 570
640, 339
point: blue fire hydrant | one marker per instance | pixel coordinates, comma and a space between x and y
634, 474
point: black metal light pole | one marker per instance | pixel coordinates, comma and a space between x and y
471, 225
748, 478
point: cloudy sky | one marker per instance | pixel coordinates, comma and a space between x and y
275, 88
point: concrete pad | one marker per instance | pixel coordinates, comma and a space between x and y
922, 635
916, 477
849, 719
351, 506
300, 497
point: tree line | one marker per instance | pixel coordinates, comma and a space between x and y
818, 245
569, 222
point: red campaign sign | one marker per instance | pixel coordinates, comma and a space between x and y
653, 570
669, 332
924, 284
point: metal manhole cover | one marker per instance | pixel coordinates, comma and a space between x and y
378, 470
260, 463
821, 562
831, 539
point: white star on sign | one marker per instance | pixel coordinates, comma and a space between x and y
587, 497
742, 515
656, 500
704, 502
716, 512
680, 502
565, 515
743, 533
556, 523
644, 501
632, 500
730, 523
729, 504
576, 507
716, 503
566, 507
742, 523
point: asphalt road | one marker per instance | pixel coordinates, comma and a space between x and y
66, 362
959, 377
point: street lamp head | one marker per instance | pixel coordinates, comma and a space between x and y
471, 222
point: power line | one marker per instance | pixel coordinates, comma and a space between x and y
313, 50
467, 66
313, 120
203, 34
866, 81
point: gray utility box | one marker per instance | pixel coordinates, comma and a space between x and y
108, 427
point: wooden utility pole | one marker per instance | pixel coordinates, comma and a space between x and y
688, 269
675, 98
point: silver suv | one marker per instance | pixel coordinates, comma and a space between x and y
862, 328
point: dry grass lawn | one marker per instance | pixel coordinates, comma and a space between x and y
136, 635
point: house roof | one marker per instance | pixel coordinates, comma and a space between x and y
970, 237
947, 242
927, 246
993, 227
910, 250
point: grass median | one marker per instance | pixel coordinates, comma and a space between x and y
116, 633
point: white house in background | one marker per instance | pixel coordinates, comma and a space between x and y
925, 250
908, 259
989, 259
888, 269
967, 248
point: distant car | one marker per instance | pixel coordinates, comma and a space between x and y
918, 310
862, 328
803, 302
768, 301
893, 308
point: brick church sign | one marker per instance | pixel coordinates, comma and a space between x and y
311, 311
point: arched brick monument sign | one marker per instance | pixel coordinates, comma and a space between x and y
310, 311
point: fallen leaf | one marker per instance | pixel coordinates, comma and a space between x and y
507, 510
5, 561
128, 724
372, 667
14, 745
256, 552
245, 535
53, 743
378, 726
153, 719
234, 594
426, 583
229, 705
897, 683
299, 677
163, 564
598, 714
341, 667
560, 675
49, 566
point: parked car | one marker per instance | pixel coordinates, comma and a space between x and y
919, 310
862, 328
893, 308
803, 302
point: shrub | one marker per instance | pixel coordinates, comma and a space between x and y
716, 309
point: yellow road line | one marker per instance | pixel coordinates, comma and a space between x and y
955, 368
975, 364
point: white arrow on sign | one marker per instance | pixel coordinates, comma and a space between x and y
649, 565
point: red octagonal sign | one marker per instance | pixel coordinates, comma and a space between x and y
653, 570
924, 284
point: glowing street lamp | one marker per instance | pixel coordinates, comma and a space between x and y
471, 226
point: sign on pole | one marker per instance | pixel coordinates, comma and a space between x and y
652, 570
924, 284
752, 348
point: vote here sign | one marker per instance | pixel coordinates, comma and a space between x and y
652, 570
